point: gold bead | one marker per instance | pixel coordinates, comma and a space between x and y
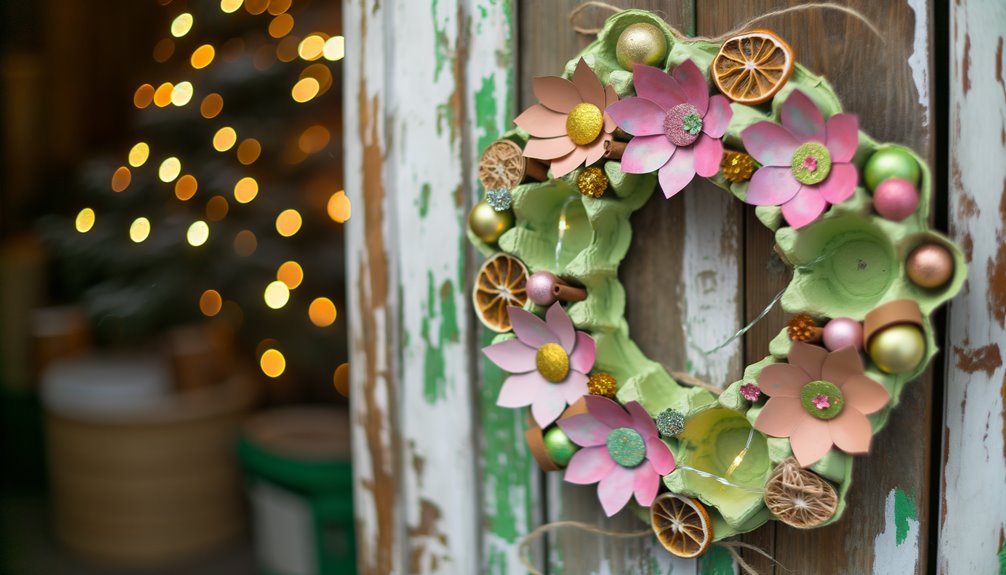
737, 167
898, 349
641, 43
592, 182
602, 384
584, 123
487, 223
552, 362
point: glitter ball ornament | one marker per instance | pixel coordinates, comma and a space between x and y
803, 328
641, 43
584, 123
895, 199
500, 199
737, 167
592, 182
843, 332
930, 266
552, 362
602, 384
670, 422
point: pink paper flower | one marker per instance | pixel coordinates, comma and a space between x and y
677, 126
806, 163
570, 126
622, 452
549, 361
819, 400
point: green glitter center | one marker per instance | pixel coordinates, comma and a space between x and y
626, 447
822, 388
692, 124
811, 163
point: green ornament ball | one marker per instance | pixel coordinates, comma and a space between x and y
559, 447
891, 163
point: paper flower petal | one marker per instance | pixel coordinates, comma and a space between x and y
810, 440
782, 380
586, 82
842, 137
851, 431
717, 117
645, 484
549, 148
770, 144
610, 97
584, 353
569, 162
585, 429
555, 93
589, 465
641, 420
805, 207
779, 416
645, 154
801, 117
678, 172
864, 394
616, 489
809, 358
560, 324
693, 85
841, 364
530, 329
840, 183
513, 355
595, 151
520, 390
607, 411
638, 116
708, 155
771, 186
574, 387
541, 122
655, 85
548, 405
660, 456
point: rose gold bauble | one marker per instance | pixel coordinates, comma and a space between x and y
930, 266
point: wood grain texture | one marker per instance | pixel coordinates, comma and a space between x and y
973, 503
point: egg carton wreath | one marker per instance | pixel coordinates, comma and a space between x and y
641, 109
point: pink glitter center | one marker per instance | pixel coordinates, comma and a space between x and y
674, 125
810, 163
750, 391
821, 401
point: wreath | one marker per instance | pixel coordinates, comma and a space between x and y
642, 109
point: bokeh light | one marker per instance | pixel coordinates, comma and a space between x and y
121, 179
321, 73
181, 94
210, 302
217, 208
162, 96
186, 187
335, 48
138, 154
85, 220
249, 150
291, 274
278, 6
341, 379
181, 25
245, 243
286, 51
198, 233
224, 139
163, 50
276, 294
288, 222
264, 58
203, 56
144, 96
273, 363
230, 6
139, 230
169, 170
311, 47
256, 7
245, 190
305, 89
212, 105
314, 139
281, 25
339, 208
322, 312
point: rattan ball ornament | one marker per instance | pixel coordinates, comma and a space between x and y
798, 497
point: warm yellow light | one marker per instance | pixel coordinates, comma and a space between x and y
320, 72
163, 50
169, 170
245, 243
203, 56
276, 294
139, 230
121, 179
181, 94
281, 25
198, 233
288, 222
245, 190
212, 105
311, 47
186, 187
341, 379
85, 220
278, 6
256, 7
248, 151
210, 302
305, 89
138, 154
322, 312
230, 6
335, 48
181, 25
314, 139
224, 139
291, 274
162, 96
339, 208
144, 96
216, 208
273, 363
286, 50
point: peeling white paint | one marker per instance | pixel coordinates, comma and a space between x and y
919, 60
889, 557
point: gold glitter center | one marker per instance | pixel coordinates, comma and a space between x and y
592, 182
552, 362
584, 123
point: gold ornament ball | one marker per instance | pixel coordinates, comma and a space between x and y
930, 266
592, 182
641, 43
487, 223
602, 384
898, 349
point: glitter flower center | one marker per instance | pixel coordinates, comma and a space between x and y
811, 163
682, 124
584, 123
592, 182
552, 362
822, 399
750, 391
500, 199
626, 447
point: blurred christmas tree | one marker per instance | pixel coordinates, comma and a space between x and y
229, 203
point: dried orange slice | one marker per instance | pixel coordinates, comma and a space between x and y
681, 524
502, 282
751, 67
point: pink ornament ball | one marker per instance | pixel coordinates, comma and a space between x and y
896, 199
540, 288
843, 332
